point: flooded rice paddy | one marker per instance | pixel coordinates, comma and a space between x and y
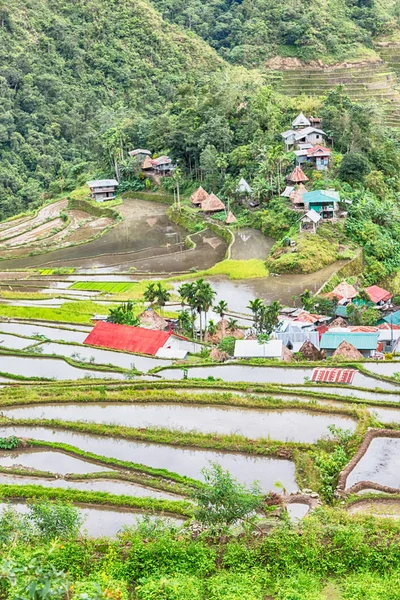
385, 415
50, 461
184, 461
288, 425
12, 342
387, 368
49, 368
380, 464
51, 333
104, 357
102, 522
111, 486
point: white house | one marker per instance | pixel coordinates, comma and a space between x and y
255, 349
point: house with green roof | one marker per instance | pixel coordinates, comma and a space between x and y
324, 202
366, 343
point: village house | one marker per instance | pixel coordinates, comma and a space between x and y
302, 132
103, 189
253, 349
163, 344
309, 222
324, 202
158, 166
365, 343
379, 296
318, 156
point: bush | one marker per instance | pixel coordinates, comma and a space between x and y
180, 587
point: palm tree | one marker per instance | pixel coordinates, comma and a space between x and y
256, 307
150, 293
220, 308
212, 328
187, 292
162, 296
207, 295
232, 324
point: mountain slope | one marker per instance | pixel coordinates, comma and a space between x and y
251, 31
70, 72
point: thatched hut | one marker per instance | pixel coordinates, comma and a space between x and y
198, 196
297, 176
338, 322
147, 164
149, 319
287, 355
212, 204
310, 352
219, 355
230, 218
347, 350
296, 196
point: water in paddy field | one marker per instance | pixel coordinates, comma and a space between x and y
184, 461
288, 425
110, 486
146, 240
104, 522
49, 460
380, 464
50, 368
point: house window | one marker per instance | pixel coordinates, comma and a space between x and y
317, 136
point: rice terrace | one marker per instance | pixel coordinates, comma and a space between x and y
199, 300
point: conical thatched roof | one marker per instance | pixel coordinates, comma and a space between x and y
344, 290
287, 355
149, 319
212, 204
310, 352
347, 350
338, 322
297, 196
147, 163
297, 175
218, 355
198, 196
230, 218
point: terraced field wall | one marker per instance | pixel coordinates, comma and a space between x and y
377, 81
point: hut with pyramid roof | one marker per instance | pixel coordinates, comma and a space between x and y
297, 176
300, 122
348, 351
230, 218
212, 204
147, 164
198, 196
296, 197
149, 319
243, 188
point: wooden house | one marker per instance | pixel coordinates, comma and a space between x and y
102, 189
300, 122
309, 222
303, 131
297, 197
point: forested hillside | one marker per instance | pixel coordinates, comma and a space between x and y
71, 73
251, 31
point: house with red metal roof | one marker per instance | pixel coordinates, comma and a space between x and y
139, 340
378, 296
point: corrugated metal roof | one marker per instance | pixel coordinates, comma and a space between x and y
102, 183
344, 376
378, 294
125, 337
321, 196
253, 349
361, 341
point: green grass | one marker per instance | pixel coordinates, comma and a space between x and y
70, 312
106, 287
236, 269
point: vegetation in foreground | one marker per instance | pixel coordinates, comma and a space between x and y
42, 558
